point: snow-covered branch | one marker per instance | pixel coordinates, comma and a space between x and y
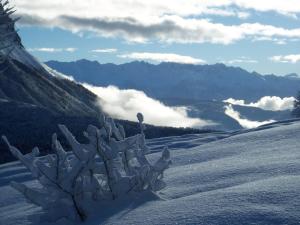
108, 167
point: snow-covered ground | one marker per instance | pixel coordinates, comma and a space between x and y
250, 177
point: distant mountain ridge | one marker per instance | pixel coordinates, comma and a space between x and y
182, 81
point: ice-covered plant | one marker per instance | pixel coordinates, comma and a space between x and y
107, 168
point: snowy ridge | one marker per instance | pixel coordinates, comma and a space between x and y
247, 178
20, 54
185, 141
56, 73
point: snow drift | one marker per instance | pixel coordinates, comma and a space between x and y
251, 177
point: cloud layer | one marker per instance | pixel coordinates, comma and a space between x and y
272, 103
145, 8
245, 123
166, 21
125, 104
163, 57
167, 29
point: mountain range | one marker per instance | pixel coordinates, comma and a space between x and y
182, 81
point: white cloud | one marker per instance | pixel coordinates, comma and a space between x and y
278, 41
125, 104
164, 21
243, 15
44, 50
70, 49
52, 50
167, 29
241, 60
154, 8
272, 103
285, 7
286, 58
245, 123
125, 8
163, 57
105, 50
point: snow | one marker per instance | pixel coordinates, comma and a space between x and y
57, 74
20, 54
249, 177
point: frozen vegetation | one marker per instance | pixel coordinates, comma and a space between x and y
250, 177
108, 168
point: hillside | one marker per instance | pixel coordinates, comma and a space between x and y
33, 99
251, 177
181, 81
24, 79
21, 83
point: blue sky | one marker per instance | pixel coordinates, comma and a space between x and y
262, 36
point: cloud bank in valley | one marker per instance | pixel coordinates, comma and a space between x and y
125, 104
245, 123
272, 103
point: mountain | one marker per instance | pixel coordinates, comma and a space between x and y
33, 99
22, 83
181, 81
24, 79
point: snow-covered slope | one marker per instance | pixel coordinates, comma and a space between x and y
20, 54
248, 178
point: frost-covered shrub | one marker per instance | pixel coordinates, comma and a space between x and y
109, 167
